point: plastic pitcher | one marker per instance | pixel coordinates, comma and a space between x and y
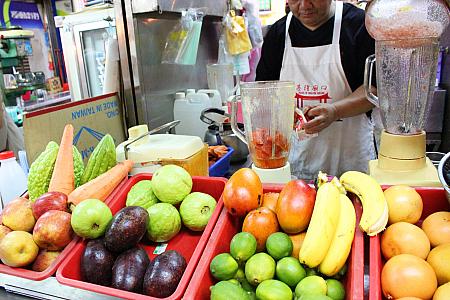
268, 110
13, 181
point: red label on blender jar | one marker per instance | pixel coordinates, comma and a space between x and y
269, 152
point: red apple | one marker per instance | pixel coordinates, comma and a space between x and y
295, 206
53, 230
49, 201
44, 260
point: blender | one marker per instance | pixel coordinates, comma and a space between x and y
406, 34
268, 113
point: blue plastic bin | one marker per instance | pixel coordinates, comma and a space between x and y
222, 166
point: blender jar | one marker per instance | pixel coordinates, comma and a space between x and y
268, 113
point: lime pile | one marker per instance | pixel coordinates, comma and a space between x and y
275, 275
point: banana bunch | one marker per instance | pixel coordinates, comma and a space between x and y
375, 209
322, 226
342, 241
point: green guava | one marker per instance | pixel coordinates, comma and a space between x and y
171, 184
196, 210
164, 222
141, 194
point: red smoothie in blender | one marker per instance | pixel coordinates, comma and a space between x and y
269, 152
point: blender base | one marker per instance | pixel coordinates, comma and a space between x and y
402, 160
279, 175
426, 176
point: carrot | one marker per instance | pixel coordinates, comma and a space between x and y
63, 178
101, 186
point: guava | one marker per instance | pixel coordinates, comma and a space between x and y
196, 210
141, 194
164, 222
171, 184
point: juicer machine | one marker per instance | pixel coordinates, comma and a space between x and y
406, 34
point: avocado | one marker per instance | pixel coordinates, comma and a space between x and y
163, 274
96, 263
126, 229
129, 270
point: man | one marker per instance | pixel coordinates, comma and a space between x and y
322, 45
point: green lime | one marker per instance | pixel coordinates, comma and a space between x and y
259, 267
225, 290
240, 275
273, 290
335, 289
290, 271
247, 286
311, 272
314, 297
223, 267
242, 246
279, 245
234, 281
311, 285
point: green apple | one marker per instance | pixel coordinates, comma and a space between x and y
196, 210
90, 218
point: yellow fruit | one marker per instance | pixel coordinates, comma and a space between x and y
322, 226
405, 204
404, 238
439, 259
342, 241
375, 209
443, 292
437, 228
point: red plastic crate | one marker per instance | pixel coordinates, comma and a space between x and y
434, 200
188, 243
51, 270
228, 226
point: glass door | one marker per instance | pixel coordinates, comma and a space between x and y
91, 51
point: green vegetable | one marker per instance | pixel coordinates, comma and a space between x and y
101, 160
78, 166
41, 171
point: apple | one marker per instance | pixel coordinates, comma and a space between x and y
90, 218
44, 259
17, 249
49, 201
18, 215
4, 231
53, 230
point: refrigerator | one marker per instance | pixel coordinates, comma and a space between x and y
84, 38
149, 85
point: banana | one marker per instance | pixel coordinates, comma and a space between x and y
375, 210
322, 226
342, 241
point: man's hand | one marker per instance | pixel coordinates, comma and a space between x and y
321, 117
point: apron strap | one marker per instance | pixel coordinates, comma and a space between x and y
337, 22
287, 38
336, 27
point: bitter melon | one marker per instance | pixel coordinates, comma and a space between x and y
41, 171
101, 160
78, 166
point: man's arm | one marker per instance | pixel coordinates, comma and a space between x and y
324, 114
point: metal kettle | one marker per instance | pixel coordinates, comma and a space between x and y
220, 133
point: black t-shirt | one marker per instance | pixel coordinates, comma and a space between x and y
355, 44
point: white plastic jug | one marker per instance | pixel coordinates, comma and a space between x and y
187, 109
13, 181
214, 95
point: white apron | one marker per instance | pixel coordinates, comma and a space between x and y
319, 76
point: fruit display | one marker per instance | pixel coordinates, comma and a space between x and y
145, 250
416, 253
299, 250
36, 229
